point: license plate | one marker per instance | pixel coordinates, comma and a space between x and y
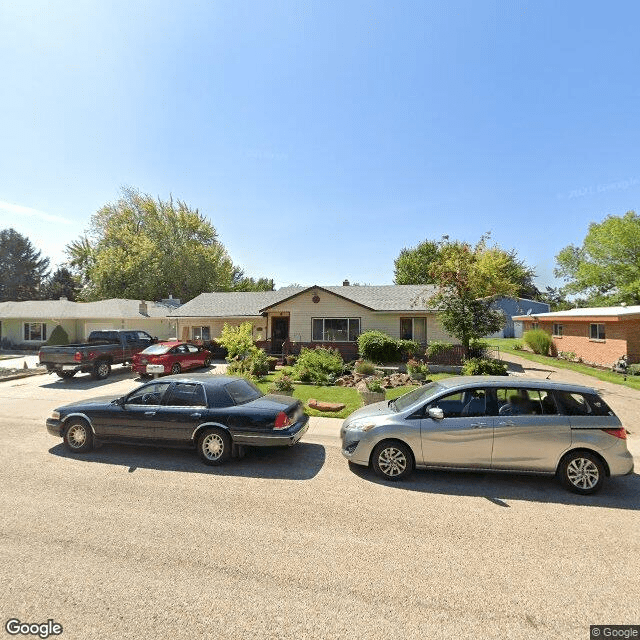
155, 368
69, 367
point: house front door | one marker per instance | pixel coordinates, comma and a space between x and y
279, 333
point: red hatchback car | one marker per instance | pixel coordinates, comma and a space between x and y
170, 357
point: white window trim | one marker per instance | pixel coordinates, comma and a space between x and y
200, 328
43, 332
413, 326
560, 333
604, 332
324, 332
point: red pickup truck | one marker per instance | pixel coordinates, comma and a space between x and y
96, 356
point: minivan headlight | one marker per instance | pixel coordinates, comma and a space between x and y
363, 424
55, 415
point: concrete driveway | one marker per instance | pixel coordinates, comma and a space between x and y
127, 542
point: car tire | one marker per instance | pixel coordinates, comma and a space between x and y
101, 370
214, 446
175, 368
582, 472
207, 361
78, 437
66, 374
392, 460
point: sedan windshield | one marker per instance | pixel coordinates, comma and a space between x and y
157, 349
417, 395
243, 391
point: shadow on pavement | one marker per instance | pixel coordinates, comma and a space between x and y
85, 381
621, 492
303, 461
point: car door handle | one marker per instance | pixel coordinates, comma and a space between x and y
478, 425
508, 423
195, 415
150, 413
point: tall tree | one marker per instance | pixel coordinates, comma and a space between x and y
22, 267
606, 267
416, 266
413, 266
61, 283
468, 278
141, 247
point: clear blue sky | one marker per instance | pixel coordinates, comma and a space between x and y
322, 137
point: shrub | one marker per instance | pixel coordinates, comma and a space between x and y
633, 369
255, 365
374, 385
58, 336
238, 341
380, 347
483, 367
417, 367
281, 384
567, 355
318, 365
517, 346
365, 368
539, 341
437, 348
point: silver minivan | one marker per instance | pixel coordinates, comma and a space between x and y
492, 423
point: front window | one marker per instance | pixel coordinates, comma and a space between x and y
596, 332
201, 333
414, 329
335, 329
463, 404
557, 329
148, 394
35, 331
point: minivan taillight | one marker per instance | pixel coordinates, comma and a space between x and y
77, 356
282, 421
618, 433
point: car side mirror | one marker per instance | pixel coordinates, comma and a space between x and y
120, 401
436, 413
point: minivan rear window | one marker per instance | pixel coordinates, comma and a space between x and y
583, 404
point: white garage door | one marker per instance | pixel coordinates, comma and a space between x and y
96, 326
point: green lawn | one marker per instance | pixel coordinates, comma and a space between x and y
506, 345
346, 395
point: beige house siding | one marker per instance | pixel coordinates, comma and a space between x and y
216, 324
78, 330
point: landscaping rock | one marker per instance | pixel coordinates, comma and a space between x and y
330, 407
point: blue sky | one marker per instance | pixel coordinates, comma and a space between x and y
321, 138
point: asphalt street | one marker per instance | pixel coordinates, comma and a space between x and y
128, 542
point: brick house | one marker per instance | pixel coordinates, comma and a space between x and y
598, 335
331, 316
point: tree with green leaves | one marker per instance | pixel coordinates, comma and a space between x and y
415, 266
146, 248
606, 267
61, 284
468, 279
22, 267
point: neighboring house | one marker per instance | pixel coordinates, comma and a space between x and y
598, 335
333, 316
31, 322
516, 307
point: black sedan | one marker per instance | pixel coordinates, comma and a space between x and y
217, 415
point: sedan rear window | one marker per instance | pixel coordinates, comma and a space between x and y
157, 349
243, 391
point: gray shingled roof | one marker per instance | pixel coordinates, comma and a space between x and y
65, 309
252, 303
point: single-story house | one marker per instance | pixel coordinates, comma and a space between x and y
598, 335
31, 322
333, 316
516, 307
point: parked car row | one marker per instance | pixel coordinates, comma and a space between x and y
106, 348
478, 423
